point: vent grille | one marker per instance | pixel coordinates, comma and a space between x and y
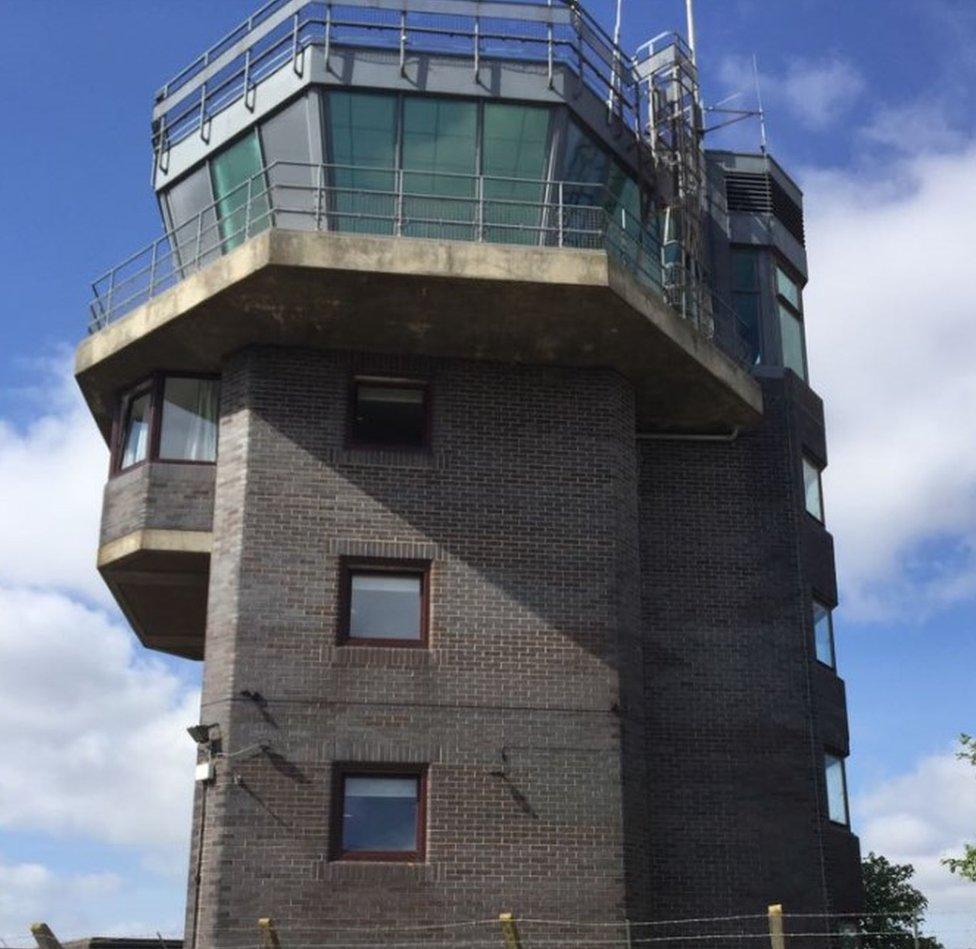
759, 193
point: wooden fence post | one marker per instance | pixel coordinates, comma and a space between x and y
43, 936
776, 938
510, 931
269, 935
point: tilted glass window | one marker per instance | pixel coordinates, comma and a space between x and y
381, 816
136, 429
241, 190
515, 157
389, 414
440, 164
188, 430
823, 634
812, 489
791, 334
745, 298
787, 289
363, 137
836, 789
386, 605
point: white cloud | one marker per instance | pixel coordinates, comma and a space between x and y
51, 478
891, 335
92, 735
72, 904
920, 817
816, 92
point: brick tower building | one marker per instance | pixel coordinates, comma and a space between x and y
460, 425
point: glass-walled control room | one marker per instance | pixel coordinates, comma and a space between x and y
413, 165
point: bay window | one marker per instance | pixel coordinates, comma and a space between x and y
167, 418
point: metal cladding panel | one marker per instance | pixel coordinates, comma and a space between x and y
293, 135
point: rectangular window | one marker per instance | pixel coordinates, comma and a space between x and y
240, 190
189, 424
823, 634
389, 414
836, 789
384, 602
136, 427
379, 813
791, 334
812, 489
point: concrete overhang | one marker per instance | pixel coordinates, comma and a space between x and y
159, 579
503, 303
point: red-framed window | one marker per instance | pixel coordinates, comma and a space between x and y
379, 812
384, 602
167, 417
389, 413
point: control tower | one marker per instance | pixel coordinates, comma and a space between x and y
460, 425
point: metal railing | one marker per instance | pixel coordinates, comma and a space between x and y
401, 203
553, 34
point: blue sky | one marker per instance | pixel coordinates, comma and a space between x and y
870, 104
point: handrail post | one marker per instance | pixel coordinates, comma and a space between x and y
247, 209
481, 209
196, 264
111, 289
294, 47
398, 198
403, 42
152, 268
320, 198
477, 49
559, 215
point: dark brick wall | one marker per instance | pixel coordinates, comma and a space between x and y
162, 495
738, 710
527, 509
620, 707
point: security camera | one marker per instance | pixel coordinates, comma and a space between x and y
200, 733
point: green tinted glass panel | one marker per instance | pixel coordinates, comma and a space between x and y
362, 129
515, 150
787, 289
791, 333
745, 270
812, 492
823, 633
836, 789
439, 163
237, 179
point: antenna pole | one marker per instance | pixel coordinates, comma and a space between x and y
759, 102
690, 16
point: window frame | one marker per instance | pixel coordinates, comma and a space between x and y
816, 601
355, 769
388, 382
828, 754
819, 467
349, 566
155, 385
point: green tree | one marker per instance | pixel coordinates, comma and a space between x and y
891, 906
965, 865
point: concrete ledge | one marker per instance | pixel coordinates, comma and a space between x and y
169, 541
159, 578
504, 303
